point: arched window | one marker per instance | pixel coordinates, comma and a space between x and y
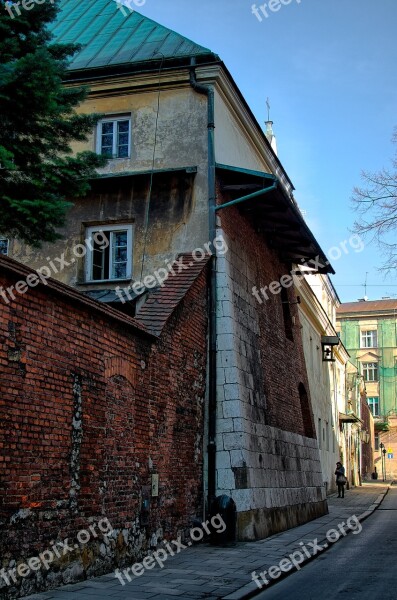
306, 412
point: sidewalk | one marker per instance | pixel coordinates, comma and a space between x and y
212, 573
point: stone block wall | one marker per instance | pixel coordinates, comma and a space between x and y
267, 453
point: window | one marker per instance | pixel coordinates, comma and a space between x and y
109, 255
370, 371
114, 137
373, 403
307, 417
376, 441
369, 339
4, 246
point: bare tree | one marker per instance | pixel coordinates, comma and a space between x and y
377, 205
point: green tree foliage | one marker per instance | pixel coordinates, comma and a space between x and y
38, 122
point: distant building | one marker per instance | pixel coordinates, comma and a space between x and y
368, 329
334, 385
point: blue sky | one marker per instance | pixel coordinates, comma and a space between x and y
329, 69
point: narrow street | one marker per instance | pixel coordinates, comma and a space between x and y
206, 572
362, 565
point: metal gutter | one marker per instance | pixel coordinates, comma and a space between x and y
137, 173
249, 197
251, 172
291, 203
141, 68
212, 404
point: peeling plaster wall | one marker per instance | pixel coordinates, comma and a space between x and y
178, 215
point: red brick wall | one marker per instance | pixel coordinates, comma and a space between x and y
283, 365
89, 409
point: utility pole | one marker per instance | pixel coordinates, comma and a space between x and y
382, 457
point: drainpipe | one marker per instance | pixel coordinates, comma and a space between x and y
209, 92
250, 196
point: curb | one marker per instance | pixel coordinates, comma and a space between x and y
250, 590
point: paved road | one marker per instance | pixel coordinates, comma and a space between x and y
359, 567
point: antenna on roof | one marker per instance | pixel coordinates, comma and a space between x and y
365, 286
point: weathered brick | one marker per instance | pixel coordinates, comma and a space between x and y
90, 408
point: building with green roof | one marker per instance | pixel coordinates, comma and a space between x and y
190, 169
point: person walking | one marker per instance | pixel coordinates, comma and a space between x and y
340, 479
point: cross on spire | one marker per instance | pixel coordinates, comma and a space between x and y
268, 109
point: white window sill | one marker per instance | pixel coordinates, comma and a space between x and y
100, 281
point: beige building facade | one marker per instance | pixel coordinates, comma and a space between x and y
344, 429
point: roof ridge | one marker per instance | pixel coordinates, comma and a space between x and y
164, 27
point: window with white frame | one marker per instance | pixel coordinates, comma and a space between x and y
373, 403
114, 137
4, 246
109, 252
370, 371
369, 339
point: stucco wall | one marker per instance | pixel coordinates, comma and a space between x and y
233, 145
322, 383
178, 207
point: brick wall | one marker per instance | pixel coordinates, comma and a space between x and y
91, 407
267, 454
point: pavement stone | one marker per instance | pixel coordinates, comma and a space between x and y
215, 573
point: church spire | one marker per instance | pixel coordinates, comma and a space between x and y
269, 129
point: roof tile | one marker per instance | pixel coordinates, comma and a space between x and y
162, 302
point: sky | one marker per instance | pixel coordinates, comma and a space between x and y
329, 68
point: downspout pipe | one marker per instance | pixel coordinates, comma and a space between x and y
212, 362
248, 197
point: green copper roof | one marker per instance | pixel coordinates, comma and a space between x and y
109, 38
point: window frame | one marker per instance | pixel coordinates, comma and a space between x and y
367, 335
365, 369
89, 232
372, 404
113, 120
4, 239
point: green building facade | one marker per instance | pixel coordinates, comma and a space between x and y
368, 329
